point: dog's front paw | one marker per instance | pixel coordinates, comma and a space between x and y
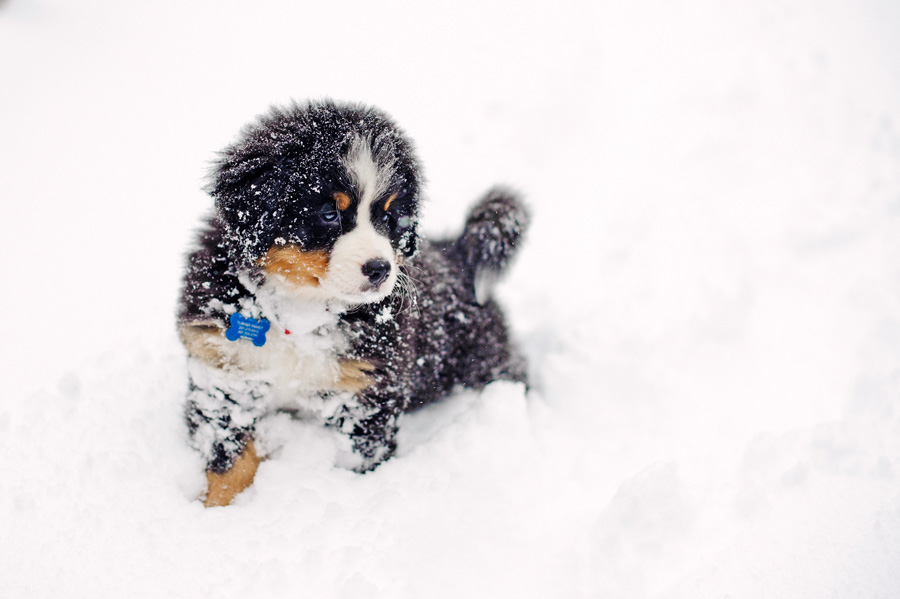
370, 463
352, 459
224, 486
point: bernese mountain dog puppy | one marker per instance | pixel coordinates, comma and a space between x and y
310, 290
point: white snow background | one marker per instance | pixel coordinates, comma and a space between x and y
709, 299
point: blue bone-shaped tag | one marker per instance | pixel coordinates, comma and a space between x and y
247, 328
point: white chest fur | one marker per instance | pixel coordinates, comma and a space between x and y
301, 354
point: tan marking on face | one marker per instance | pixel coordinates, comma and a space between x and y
295, 265
204, 341
223, 487
389, 200
354, 375
343, 201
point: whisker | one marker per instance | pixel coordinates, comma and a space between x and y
408, 292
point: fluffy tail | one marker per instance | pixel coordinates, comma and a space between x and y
491, 237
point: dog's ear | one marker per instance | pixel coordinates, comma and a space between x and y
248, 195
412, 245
409, 200
409, 242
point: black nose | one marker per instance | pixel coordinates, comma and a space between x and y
377, 270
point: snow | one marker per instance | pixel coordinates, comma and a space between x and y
709, 299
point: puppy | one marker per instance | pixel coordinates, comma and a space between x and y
311, 291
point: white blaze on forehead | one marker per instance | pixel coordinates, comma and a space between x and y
371, 176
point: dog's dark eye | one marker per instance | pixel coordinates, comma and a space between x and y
330, 214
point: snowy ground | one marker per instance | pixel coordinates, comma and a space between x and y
710, 300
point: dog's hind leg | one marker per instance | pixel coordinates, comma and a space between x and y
486, 352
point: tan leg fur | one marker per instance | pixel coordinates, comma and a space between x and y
223, 487
354, 376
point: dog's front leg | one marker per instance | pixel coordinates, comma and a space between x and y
372, 426
221, 416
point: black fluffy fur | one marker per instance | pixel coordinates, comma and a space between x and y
436, 339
